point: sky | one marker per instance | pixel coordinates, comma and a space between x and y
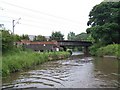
42, 17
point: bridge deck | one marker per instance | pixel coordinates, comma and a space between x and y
74, 43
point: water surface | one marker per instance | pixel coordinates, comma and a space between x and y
74, 72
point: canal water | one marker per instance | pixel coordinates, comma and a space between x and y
77, 71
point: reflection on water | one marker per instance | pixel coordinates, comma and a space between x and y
75, 72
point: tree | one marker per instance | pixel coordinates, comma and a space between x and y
71, 36
16, 37
104, 22
40, 38
57, 36
25, 37
81, 36
7, 40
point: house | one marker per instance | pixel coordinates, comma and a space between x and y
39, 46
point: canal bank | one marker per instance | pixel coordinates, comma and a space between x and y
112, 51
68, 73
26, 60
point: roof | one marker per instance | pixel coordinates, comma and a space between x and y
43, 43
31, 42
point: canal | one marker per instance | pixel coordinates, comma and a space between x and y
77, 71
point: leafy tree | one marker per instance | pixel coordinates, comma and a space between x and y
40, 38
81, 36
25, 37
57, 36
17, 37
105, 23
0, 40
90, 38
105, 12
7, 40
71, 36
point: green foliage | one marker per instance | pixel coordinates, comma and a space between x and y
118, 52
93, 49
14, 63
57, 36
40, 38
79, 37
107, 33
105, 12
0, 67
7, 41
82, 36
25, 37
109, 50
71, 36
90, 38
17, 37
0, 42
105, 23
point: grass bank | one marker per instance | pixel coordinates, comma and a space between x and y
110, 50
25, 60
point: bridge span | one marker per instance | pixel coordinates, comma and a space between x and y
74, 43
65, 43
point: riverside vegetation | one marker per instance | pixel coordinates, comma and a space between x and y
26, 59
104, 32
104, 22
15, 59
110, 50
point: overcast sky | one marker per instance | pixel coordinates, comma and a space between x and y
42, 17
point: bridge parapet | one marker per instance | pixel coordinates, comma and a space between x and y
74, 43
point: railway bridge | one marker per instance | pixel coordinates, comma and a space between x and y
67, 43
54, 45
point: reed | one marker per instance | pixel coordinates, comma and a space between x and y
25, 60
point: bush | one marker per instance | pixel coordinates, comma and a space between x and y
112, 49
7, 41
25, 60
93, 49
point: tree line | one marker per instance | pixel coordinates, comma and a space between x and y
104, 22
8, 38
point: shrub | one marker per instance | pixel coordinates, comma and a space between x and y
93, 49
109, 50
25, 60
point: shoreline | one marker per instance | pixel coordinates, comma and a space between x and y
26, 60
110, 56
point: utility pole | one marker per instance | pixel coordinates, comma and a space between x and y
13, 24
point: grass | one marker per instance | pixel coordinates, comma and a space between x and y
24, 60
111, 50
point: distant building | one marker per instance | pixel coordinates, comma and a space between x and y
31, 37
47, 37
